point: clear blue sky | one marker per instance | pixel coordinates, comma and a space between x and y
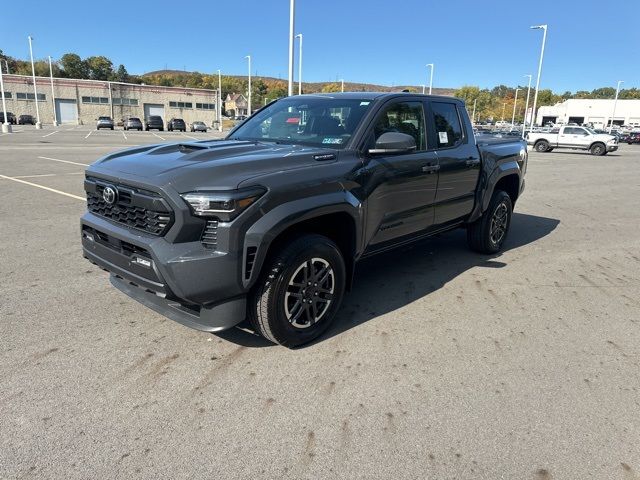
590, 44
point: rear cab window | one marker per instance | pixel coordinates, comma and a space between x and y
445, 119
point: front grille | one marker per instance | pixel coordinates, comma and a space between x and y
134, 208
210, 235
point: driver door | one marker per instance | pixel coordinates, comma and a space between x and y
401, 187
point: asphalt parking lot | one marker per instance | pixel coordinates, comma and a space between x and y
442, 364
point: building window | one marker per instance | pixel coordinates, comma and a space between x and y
95, 100
205, 106
126, 101
181, 104
30, 96
7, 95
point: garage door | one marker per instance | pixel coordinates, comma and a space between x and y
153, 109
66, 111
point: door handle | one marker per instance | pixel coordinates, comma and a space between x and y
472, 161
430, 168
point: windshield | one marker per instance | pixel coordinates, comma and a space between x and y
590, 130
317, 121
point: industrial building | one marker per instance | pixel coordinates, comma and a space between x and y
81, 102
591, 111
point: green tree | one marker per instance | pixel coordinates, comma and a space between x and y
606, 92
73, 66
331, 87
121, 74
100, 67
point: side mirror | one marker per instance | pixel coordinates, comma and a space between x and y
393, 142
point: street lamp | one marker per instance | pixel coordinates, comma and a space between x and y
219, 108
300, 65
430, 77
515, 101
35, 89
248, 57
526, 106
473, 115
53, 97
535, 96
6, 126
504, 106
292, 16
342, 83
423, 88
615, 102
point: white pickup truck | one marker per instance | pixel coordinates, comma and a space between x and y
574, 137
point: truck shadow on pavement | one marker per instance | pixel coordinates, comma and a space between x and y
392, 280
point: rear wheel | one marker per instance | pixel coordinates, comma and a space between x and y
542, 146
488, 233
299, 292
598, 149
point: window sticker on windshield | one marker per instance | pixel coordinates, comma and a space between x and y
332, 140
444, 138
362, 104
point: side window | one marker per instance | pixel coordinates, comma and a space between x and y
568, 131
404, 117
580, 131
447, 124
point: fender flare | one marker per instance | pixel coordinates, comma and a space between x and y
263, 232
487, 185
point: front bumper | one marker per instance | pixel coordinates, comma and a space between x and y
612, 148
183, 281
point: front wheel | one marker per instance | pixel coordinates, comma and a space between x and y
297, 296
598, 149
488, 233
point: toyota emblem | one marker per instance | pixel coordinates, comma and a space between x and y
110, 195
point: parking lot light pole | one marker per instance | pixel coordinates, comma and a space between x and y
473, 115
615, 102
292, 16
430, 77
504, 106
219, 107
35, 89
6, 126
300, 65
535, 95
53, 97
342, 85
515, 101
248, 57
526, 105
423, 88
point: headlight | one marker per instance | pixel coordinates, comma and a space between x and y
225, 205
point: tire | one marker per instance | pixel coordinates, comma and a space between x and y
281, 306
112, 128
598, 149
482, 235
542, 146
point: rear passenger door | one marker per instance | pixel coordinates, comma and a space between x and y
458, 160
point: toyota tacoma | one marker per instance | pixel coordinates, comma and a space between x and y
269, 223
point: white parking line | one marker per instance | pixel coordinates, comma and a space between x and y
48, 175
43, 187
55, 131
161, 138
125, 137
64, 161
89, 134
189, 136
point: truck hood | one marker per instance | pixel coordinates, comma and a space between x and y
215, 165
604, 137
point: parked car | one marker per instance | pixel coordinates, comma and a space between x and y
198, 127
132, 123
26, 120
240, 117
269, 223
176, 124
575, 138
11, 118
104, 122
633, 137
154, 122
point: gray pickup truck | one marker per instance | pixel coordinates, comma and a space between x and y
269, 224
